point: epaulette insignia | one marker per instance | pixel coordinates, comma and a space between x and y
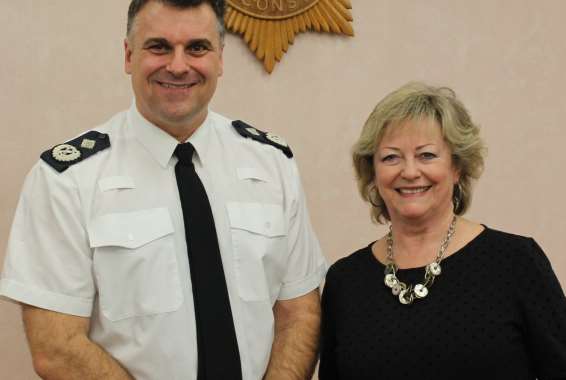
64, 155
263, 137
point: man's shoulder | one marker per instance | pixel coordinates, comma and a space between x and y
62, 156
257, 137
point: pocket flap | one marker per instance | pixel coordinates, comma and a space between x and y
130, 229
252, 173
263, 219
116, 182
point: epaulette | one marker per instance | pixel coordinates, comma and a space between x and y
263, 137
62, 156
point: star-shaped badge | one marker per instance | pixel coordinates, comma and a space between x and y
270, 26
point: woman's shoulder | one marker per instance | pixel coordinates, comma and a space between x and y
350, 264
478, 234
527, 261
518, 248
508, 241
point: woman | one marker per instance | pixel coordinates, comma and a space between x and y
440, 296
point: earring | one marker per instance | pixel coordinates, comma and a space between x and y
371, 196
457, 195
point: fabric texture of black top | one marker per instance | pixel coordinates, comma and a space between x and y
497, 311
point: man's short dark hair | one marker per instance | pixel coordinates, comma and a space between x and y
218, 6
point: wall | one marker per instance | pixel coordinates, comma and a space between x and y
61, 73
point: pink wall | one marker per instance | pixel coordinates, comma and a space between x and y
61, 73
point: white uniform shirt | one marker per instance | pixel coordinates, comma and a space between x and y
105, 239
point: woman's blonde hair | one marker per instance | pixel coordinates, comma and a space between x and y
413, 101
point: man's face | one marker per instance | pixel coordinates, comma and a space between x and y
175, 58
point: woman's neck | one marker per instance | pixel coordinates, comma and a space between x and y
416, 244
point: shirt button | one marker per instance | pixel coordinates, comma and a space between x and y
267, 225
130, 237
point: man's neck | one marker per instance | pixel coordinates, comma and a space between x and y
182, 129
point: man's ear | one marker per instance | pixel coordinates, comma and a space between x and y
220, 52
127, 56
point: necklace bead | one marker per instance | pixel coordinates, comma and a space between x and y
391, 280
421, 291
434, 268
406, 297
396, 289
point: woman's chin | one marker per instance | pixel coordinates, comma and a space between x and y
413, 214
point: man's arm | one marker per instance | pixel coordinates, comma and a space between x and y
297, 331
61, 349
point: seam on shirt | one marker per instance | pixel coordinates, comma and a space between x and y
45, 299
301, 287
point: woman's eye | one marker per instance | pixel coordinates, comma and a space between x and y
428, 155
389, 158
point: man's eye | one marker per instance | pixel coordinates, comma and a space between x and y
157, 49
198, 48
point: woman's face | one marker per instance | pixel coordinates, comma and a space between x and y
414, 172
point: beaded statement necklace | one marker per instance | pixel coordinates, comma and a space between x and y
408, 293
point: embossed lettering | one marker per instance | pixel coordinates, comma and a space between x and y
278, 6
271, 8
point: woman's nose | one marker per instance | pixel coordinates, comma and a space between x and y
410, 170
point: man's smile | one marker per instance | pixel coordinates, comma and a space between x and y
176, 85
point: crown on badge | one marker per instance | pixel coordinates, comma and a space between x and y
270, 26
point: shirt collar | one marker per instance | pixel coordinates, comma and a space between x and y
201, 137
160, 144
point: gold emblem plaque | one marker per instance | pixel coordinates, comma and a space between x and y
270, 26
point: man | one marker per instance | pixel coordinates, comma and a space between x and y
102, 252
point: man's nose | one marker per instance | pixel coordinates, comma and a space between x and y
178, 64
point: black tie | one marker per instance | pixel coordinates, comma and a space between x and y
218, 355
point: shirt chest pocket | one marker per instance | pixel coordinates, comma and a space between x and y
259, 239
135, 264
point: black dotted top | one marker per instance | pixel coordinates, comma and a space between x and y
497, 311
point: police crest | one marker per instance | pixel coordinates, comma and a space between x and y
270, 26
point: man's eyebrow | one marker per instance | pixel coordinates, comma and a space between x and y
155, 40
163, 41
204, 41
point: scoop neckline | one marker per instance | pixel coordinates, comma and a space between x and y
467, 246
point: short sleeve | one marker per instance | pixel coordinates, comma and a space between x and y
48, 261
544, 309
306, 265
